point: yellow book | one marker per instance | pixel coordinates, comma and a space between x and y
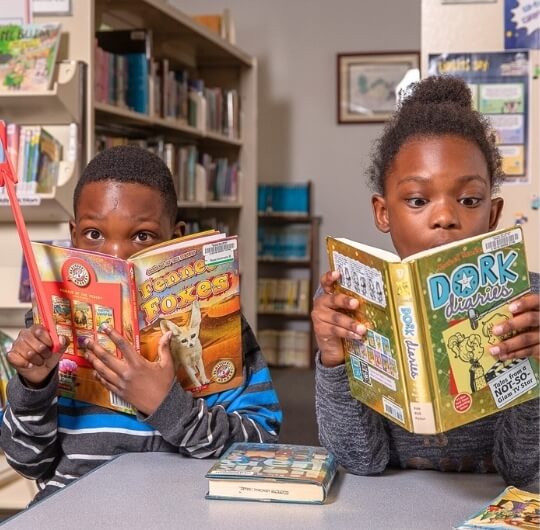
425, 362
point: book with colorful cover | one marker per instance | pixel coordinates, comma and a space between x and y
189, 286
27, 56
272, 472
513, 508
424, 362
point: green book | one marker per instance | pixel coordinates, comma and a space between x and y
425, 362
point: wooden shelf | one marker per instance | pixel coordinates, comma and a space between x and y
136, 120
176, 32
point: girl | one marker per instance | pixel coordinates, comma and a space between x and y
434, 172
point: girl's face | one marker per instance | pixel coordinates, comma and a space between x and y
436, 191
120, 219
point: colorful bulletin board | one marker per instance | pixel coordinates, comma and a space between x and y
499, 83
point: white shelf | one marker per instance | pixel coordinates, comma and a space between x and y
62, 104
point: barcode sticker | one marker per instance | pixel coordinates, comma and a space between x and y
117, 401
393, 410
219, 252
499, 241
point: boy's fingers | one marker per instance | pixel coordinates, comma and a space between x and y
103, 362
164, 349
121, 343
108, 384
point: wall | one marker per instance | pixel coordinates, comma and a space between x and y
480, 28
296, 42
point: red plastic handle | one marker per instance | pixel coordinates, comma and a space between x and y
8, 179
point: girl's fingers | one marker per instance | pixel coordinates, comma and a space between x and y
523, 342
517, 324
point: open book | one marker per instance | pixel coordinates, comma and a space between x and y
189, 286
425, 362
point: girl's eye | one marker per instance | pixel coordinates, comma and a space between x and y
93, 234
470, 201
416, 202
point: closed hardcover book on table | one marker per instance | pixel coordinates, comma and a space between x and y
424, 362
189, 286
272, 472
513, 508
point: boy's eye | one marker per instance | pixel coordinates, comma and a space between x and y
143, 237
93, 234
416, 202
470, 201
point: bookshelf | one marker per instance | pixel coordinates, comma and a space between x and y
73, 99
288, 277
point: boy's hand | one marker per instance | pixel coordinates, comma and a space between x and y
32, 357
525, 324
138, 381
330, 324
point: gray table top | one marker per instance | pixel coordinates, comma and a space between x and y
161, 490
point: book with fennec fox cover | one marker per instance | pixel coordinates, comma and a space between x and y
189, 286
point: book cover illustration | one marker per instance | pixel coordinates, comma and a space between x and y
27, 56
513, 508
433, 313
194, 292
262, 471
374, 365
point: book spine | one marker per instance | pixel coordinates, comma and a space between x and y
413, 349
134, 307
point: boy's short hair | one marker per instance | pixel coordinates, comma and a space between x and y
436, 106
132, 165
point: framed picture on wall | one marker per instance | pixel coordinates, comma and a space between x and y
366, 84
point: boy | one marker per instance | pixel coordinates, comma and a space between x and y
124, 202
434, 172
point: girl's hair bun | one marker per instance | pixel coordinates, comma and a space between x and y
440, 89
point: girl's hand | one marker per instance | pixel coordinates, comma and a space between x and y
32, 357
142, 383
330, 324
525, 324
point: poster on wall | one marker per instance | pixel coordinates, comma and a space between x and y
521, 24
499, 83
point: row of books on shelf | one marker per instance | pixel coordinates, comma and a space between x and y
128, 76
35, 155
289, 242
286, 347
284, 198
283, 295
198, 177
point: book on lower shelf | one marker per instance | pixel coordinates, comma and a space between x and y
272, 472
189, 286
425, 362
513, 508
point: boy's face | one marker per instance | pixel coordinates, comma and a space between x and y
120, 219
436, 191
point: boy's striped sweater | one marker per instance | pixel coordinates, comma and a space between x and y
57, 440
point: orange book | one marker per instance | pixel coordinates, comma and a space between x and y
212, 22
